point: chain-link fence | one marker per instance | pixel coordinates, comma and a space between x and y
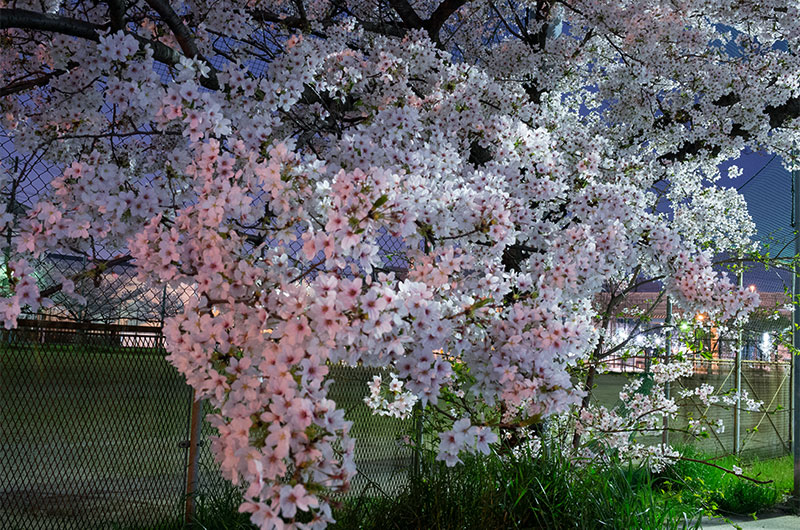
92, 419
96, 430
763, 371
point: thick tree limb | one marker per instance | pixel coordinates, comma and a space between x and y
31, 20
178, 28
183, 36
407, 14
24, 19
116, 10
441, 14
22, 86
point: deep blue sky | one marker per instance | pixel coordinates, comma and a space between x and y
767, 188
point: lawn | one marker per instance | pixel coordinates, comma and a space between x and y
727, 494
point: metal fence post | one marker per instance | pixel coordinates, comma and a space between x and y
737, 408
417, 456
667, 357
163, 312
193, 461
795, 334
12, 209
84, 307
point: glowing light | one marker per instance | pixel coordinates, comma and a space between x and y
766, 346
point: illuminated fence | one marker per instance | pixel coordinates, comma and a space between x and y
766, 377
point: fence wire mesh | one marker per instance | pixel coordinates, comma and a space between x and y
92, 422
95, 430
764, 373
96, 424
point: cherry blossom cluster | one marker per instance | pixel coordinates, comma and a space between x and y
464, 436
401, 404
623, 431
342, 183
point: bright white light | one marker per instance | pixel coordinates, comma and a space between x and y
766, 346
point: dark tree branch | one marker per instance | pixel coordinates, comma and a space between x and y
301, 10
24, 19
178, 28
441, 14
407, 14
116, 9
31, 20
93, 273
183, 36
778, 117
21, 86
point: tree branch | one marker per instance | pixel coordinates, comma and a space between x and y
407, 14
24, 19
778, 116
31, 20
21, 86
441, 14
92, 273
183, 36
178, 28
116, 10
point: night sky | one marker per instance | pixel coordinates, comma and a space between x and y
767, 188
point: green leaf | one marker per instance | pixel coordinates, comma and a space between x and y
380, 201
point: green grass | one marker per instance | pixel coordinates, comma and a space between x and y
780, 470
493, 493
728, 494
522, 492
215, 510
90, 431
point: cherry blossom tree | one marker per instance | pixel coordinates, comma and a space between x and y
527, 155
